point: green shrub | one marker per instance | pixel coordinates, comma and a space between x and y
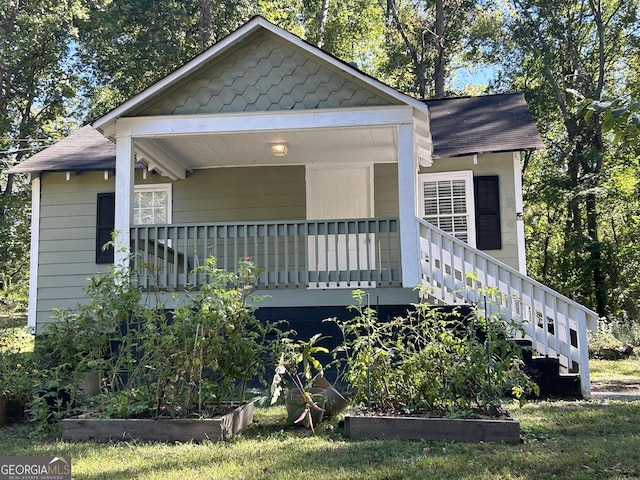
431, 360
613, 340
149, 362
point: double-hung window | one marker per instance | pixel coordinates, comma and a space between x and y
447, 201
152, 204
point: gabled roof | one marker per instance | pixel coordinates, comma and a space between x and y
246, 32
487, 124
84, 150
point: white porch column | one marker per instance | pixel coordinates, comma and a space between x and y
407, 184
125, 164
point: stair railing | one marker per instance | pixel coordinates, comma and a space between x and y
455, 273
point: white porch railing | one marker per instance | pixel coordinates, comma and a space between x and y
454, 272
351, 253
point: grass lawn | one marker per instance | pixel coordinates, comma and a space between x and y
615, 369
577, 440
562, 439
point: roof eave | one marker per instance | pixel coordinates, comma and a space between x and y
436, 155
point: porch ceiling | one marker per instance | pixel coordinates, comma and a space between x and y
366, 144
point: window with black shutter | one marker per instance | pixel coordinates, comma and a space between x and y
487, 203
105, 224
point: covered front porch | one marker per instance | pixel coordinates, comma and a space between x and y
353, 171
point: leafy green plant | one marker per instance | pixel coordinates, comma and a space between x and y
14, 366
151, 362
295, 370
222, 343
432, 360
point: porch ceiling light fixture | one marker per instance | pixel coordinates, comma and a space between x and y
279, 149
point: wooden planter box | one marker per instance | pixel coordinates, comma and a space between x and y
421, 428
160, 429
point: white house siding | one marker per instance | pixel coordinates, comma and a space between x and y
67, 246
500, 164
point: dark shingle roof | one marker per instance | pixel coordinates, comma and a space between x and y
84, 150
459, 126
485, 124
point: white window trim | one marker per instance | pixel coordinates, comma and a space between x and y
158, 187
467, 176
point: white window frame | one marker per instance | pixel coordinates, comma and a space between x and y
156, 187
467, 176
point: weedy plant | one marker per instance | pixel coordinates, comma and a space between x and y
433, 362
151, 363
15, 385
294, 373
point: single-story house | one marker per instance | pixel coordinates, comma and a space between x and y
267, 147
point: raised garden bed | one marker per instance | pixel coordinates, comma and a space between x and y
423, 428
160, 429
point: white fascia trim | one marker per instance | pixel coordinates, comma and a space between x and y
168, 125
34, 252
229, 41
519, 204
176, 75
354, 72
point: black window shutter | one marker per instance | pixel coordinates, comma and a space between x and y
105, 223
488, 235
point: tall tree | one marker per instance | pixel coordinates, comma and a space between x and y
36, 89
563, 47
423, 38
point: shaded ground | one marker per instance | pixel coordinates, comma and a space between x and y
627, 385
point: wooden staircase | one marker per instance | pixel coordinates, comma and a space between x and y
546, 372
554, 326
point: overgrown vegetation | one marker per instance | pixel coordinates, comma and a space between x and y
119, 356
614, 340
433, 361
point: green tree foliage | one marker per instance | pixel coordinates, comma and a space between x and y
423, 39
620, 116
36, 92
565, 47
125, 46
352, 30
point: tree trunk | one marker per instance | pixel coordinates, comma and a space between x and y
205, 33
418, 62
439, 61
324, 17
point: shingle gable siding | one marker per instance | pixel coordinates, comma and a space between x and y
264, 75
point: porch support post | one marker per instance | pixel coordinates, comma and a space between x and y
124, 195
407, 184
